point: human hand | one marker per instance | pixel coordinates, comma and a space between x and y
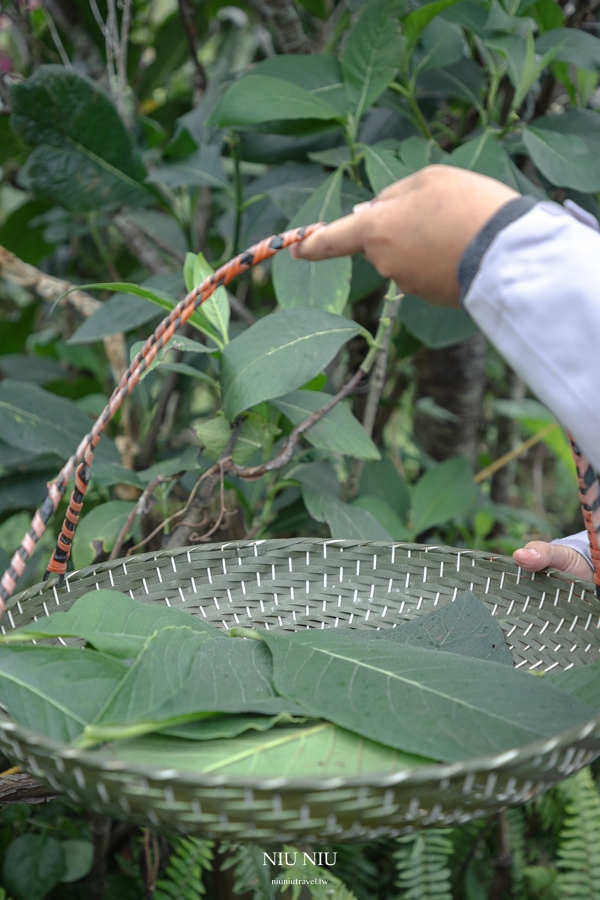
416, 230
537, 555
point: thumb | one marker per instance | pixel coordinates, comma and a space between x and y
538, 555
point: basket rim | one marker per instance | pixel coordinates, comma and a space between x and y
103, 763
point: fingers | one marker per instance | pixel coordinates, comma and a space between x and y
344, 237
538, 555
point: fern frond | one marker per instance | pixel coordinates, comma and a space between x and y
550, 808
579, 848
422, 868
250, 872
360, 864
321, 883
189, 856
518, 852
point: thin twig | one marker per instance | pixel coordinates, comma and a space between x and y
195, 538
285, 454
140, 508
513, 454
180, 536
376, 382
57, 41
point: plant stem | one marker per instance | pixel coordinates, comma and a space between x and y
409, 95
234, 144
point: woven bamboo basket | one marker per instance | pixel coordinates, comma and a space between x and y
550, 622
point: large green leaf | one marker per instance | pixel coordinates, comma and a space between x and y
123, 312
98, 531
111, 622
573, 46
337, 432
564, 159
320, 285
416, 21
261, 98
255, 434
31, 418
214, 313
440, 705
84, 158
464, 627
33, 865
372, 54
202, 167
36, 369
444, 492
181, 674
434, 326
482, 154
387, 517
313, 751
441, 44
56, 690
346, 521
278, 354
383, 480
463, 79
583, 682
383, 167
216, 727
318, 73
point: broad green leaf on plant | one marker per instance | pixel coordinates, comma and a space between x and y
463, 79
33, 865
254, 435
214, 311
106, 475
111, 622
564, 159
84, 159
56, 690
582, 682
440, 44
439, 705
79, 858
290, 196
435, 327
584, 123
98, 531
469, 15
202, 167
482, 154
383, 167
318, 477
383, 480
278, 354
416, 21
31, 418
320, 285
261, 98
580, 48
523, 67
441, 494
345, 520
312, 751
177, 342
178, 676
514, 178
339, 431
417, 152
124, 311
217, 727
373, 52
318, 73
333, 158
385, 515
24, 491
35, 369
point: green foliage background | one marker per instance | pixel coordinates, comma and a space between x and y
145, 143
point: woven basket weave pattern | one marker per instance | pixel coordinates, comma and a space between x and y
549, 622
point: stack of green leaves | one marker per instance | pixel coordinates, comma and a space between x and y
154, 685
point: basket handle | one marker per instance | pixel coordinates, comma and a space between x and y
589, 493
83, 456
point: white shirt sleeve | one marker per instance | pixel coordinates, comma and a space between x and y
536, 296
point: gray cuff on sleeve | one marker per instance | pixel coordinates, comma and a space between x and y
471, 258
579, 542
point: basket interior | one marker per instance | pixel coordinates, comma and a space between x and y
549, 621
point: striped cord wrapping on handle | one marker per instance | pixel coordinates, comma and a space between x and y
83, 456
589, 493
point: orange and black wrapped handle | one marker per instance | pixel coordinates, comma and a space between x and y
81, 461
